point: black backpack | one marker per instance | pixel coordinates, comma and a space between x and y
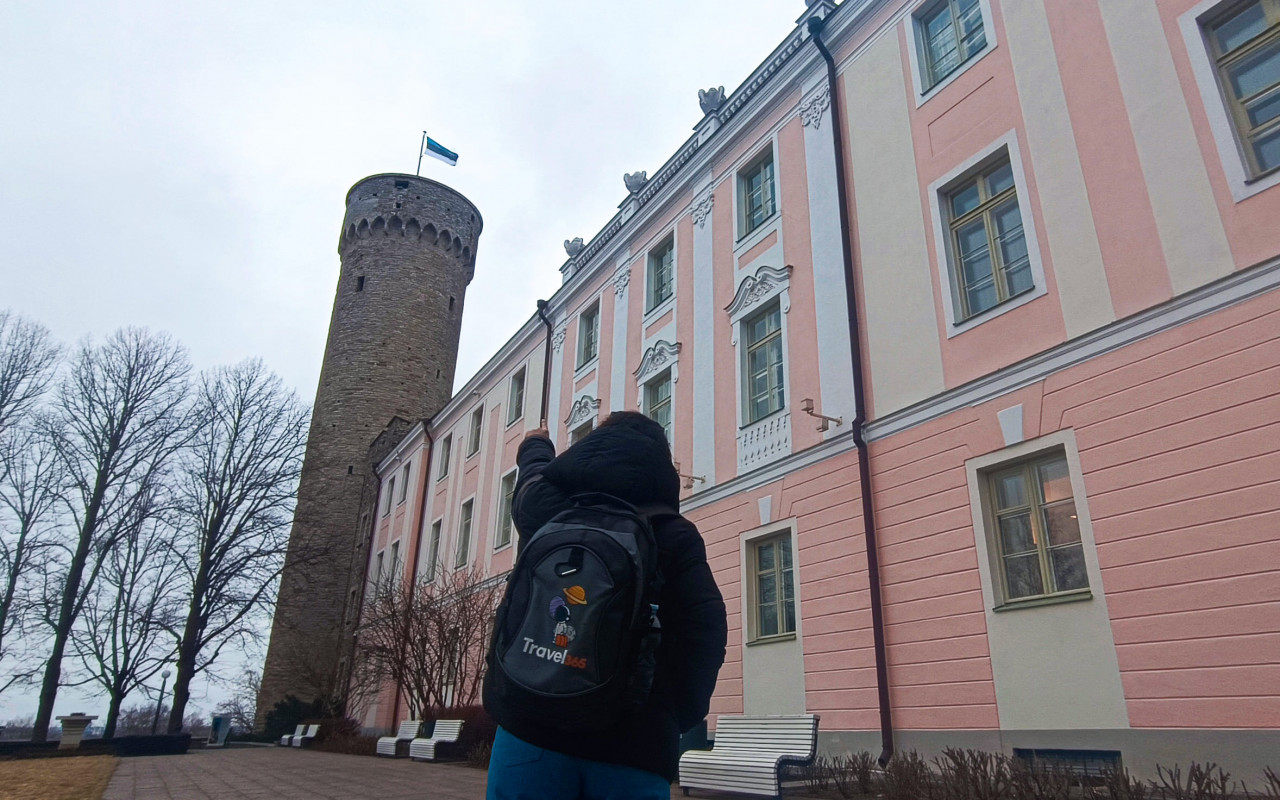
576, 635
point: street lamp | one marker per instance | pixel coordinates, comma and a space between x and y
155, 724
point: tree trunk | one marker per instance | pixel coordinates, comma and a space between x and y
53, 670
113, 715
189, 648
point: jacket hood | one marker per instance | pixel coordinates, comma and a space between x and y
629, 459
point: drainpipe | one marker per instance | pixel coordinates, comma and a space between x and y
546, 366
816, 26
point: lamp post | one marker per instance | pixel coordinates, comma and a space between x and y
155, 724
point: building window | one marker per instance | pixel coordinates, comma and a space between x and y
988, 250
773, 584
404, 484
446, 450
433, 549
951, 32
391, 489
1037, 529
756, 198
763, 367
657, 402
394, 577
589, 335
579, 433
506, 494
1246, 49
515, 398
378, 573
660, 281
464, 535
473, 436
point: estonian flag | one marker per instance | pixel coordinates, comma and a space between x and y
436, 150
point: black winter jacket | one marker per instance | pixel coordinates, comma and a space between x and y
625, 461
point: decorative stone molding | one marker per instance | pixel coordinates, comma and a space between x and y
557, 338
635, 181
767, 283
711, 99
811, 110
584, 408
702, 209
765, 441
573, 247
657, 358
620, 282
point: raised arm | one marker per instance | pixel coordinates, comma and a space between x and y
536, 499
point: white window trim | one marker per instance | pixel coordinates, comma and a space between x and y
666, 305
915, 50
524, 396
442, 465
1215, 104
433, 568
471, 535
497, 514
746, 543
770, 224
388, 499
942, 236
978, 468
658, 376
586, 366
781, 291
404, 490
471, 425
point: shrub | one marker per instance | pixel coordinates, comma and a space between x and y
852, 774
1271, 790
288, 713
907, 777
1204, 782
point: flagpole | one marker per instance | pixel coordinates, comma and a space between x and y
418, 171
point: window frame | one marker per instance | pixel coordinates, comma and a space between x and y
506, 519
592, 313
466, 524
1034, 508
1231, 155
391, 490
1223, 61
475, 430
404, 483
771, 535
446, 453
1004, 146
985, 210
515, 406
434, 538
742, 192
924, 91
773, 306
666, 249
670, 402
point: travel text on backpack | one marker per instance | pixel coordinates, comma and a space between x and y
577, 631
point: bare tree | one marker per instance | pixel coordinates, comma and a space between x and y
242, 705
27, 359
428, 638
31, 479
236, 491
124, 634
121, 406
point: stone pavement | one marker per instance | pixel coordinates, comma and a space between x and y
278, 773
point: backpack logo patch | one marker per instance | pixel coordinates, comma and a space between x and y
573, 596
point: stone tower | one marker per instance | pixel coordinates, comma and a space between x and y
407, 249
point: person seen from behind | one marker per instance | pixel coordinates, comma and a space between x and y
636, 757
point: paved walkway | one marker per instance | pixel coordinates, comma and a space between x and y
277, 773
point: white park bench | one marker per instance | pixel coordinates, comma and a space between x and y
306, 737
288, 738
390, 745
748, 753
445, 731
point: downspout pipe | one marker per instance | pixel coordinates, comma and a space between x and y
816, 26
546, 366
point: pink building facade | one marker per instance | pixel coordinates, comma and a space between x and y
1064, 230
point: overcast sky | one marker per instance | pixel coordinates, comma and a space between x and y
182, 166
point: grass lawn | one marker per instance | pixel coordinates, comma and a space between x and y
70, 778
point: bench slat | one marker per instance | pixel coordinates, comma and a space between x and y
748, 752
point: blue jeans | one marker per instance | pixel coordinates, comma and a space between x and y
521, 771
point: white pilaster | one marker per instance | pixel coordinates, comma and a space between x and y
835, 376
704, 309
618, 374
